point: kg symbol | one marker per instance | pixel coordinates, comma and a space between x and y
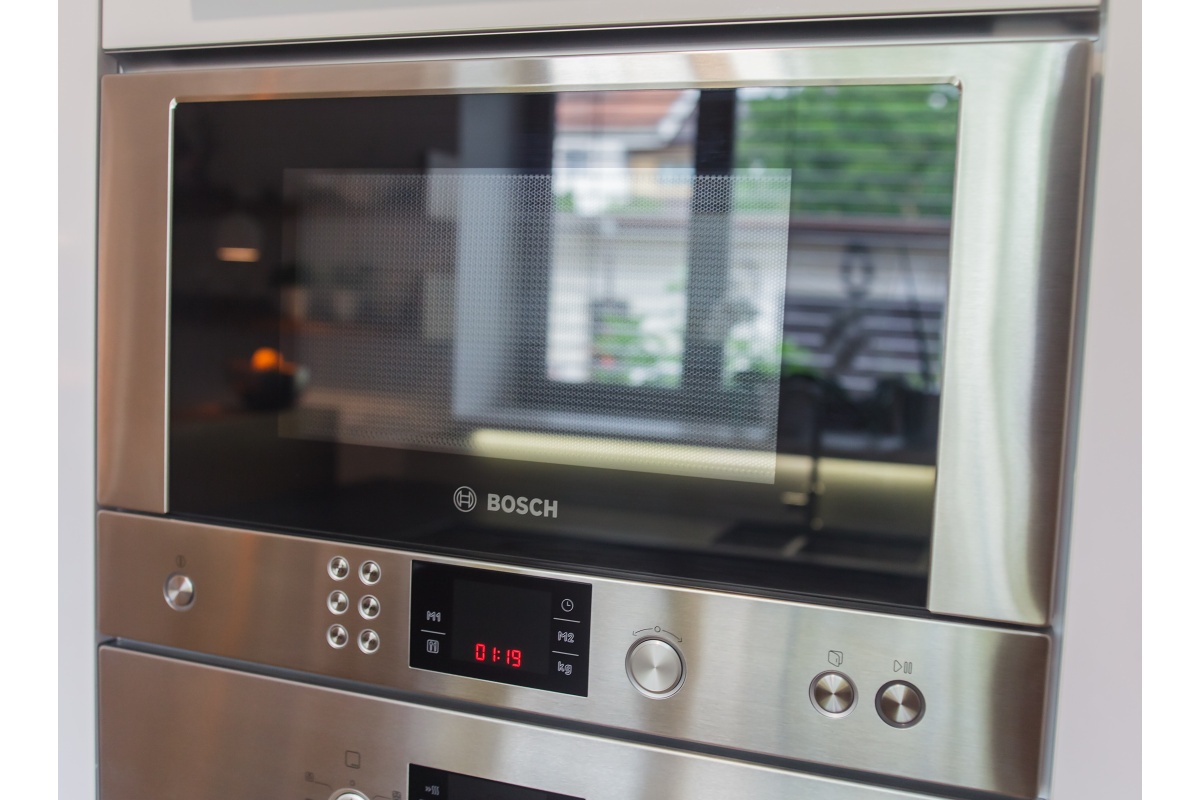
464, 498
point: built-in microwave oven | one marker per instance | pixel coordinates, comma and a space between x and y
714, 397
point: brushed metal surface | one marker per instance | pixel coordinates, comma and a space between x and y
179, 23
234, 719
1013, 259
749, 660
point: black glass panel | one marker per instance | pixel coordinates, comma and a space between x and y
501, 627
691, 335
425, 783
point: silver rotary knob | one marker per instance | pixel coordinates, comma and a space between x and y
900, 704
833, 694
179, 591
655, 667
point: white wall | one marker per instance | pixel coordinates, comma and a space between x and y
1098, 739
78, 64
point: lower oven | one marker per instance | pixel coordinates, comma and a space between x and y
235, 734
703, 399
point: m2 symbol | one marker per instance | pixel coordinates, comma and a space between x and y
464, 498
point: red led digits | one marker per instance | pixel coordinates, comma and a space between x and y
510, 657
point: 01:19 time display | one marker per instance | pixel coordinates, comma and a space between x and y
496, 655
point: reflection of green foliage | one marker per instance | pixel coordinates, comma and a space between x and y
622, 340
637, 204
564, 202
796, 360
865, 150
788, 360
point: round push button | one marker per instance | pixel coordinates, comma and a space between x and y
833, 694
338, 602
179, 591
368, 641
348, 794
900, 704
337, 636
369, 607
655, 667
339, 568
369, 572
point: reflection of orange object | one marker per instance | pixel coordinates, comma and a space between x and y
266, 359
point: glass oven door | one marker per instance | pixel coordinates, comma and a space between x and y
688, 334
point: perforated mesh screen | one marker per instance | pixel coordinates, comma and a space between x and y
517, 316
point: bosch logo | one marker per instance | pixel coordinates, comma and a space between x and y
464, 498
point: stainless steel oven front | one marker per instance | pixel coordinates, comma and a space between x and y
713, 398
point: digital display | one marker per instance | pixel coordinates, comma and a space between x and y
500, 626
425, 783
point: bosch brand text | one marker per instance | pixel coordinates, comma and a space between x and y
536, 507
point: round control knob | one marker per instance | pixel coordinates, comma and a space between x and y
655, 667
900, 704
833, 694
348, 794
179, 591
369, 607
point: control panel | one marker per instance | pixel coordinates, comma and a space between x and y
918, 699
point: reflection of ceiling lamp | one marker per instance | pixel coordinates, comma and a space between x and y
854, 493
628, 454
239, 239
244, 255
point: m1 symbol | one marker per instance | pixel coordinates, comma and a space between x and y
464, 498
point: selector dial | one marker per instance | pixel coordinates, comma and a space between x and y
833, 694
900, 704
655, 667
